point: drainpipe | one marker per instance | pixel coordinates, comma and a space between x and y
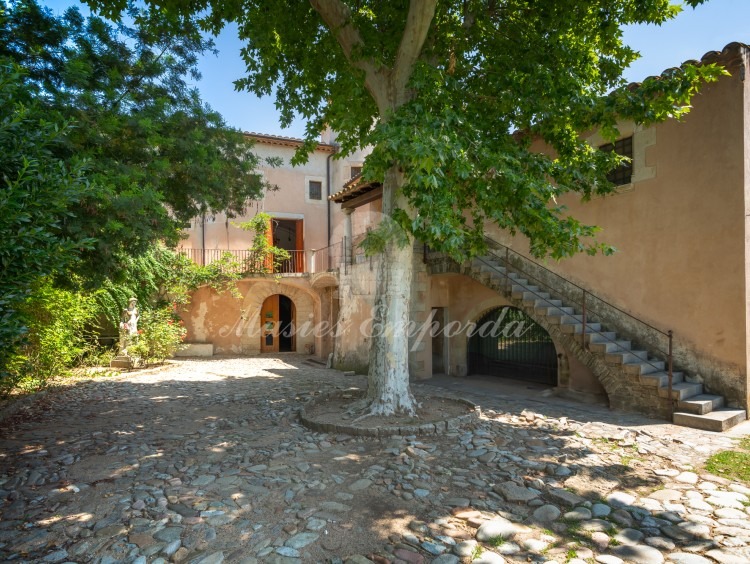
328, 193
203, 239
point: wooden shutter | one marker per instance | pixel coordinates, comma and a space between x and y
299, 245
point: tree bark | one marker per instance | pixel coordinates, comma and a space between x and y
388, 390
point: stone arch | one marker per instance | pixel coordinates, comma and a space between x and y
231, 323
569, 346
487, 306
322, 280
460, 347
306, 303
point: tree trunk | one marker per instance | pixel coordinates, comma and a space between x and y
388, 378
388, 390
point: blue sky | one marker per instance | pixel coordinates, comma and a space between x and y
689, 36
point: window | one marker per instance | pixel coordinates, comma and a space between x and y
356, 171
623, 173
315, 190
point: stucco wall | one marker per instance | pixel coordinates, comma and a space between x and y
680, 263
232, 324
290, 201
464, 301
356, 298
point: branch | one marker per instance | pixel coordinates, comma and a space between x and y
138, 79
418, 22
338, 17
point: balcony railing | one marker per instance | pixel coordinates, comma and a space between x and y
250, 262
328, 258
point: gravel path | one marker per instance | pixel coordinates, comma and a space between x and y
204, 462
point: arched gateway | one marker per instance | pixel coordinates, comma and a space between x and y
509, 344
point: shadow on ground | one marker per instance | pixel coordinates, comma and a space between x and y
207, 457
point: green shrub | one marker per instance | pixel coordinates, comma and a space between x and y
37, 190
160, 335
59, 336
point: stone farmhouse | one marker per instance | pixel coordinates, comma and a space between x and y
660, 328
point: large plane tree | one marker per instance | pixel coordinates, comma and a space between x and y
450, 94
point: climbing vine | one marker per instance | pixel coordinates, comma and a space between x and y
265, 258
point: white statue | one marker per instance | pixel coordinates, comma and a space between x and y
128, 325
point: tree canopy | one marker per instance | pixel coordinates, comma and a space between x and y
450, 95
36, 196
453, 92
105, 151
155, 155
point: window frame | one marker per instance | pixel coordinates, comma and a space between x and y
623, 174
309, 180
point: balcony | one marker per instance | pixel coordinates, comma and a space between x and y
249, 263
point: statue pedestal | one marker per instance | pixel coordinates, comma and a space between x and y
121, 361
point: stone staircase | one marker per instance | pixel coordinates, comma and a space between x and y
629, 372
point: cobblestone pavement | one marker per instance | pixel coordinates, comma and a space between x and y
204, 462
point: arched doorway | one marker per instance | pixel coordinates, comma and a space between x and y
277, 322
509, 344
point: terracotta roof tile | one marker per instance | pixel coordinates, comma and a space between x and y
283, 141
730, 56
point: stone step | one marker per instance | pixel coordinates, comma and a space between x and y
696, 409
718, 421
487, 277
577, 328
196, 349
518, 290
565, 319
701, 404
639, 368
610, 347
681, 390
530, 298
496, 278
601, 337
481, 261
121, 361
553, 311
542, 305
661, 379
491, 269
625, 357
551, 303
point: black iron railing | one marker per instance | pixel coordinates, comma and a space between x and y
593, 308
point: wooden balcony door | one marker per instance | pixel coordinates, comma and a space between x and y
288, 234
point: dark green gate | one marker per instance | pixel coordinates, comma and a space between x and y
508, 343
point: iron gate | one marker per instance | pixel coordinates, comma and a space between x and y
508, 343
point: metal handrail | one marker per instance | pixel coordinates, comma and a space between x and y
327, 258
584, 304
490, 242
